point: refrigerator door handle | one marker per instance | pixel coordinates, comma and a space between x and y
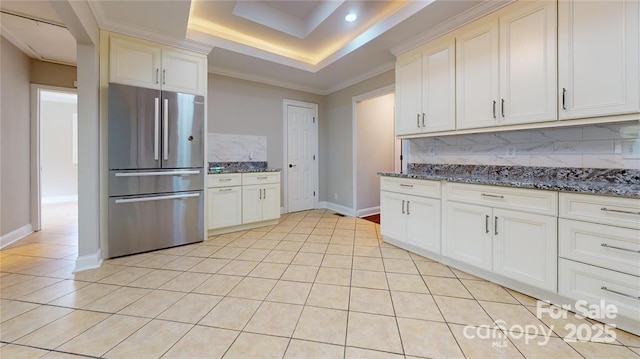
156, 173
157, 198
165, 129
156, 128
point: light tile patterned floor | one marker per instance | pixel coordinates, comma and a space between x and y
317, 285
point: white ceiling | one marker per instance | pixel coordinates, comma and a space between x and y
300, 44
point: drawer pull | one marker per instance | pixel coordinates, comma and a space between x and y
619, 248
224, 180
492, 195
406, 185
263, 177
620, 293
605, 209
226, 189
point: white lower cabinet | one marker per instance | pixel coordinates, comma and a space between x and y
224, 207
410, 214
260, 202
518, 245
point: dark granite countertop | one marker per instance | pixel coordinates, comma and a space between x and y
246, 170
613, 182
240, 167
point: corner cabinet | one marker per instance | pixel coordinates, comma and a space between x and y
426, 90
598, 58
506, 69
141, 63
511, 232
410, 214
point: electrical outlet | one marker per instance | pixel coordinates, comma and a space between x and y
335, 196
432, 151
510, 152
631, 149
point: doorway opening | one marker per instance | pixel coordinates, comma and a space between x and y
55, 164
375, 148
300, 170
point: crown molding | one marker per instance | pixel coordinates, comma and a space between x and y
476, 12
146, 34
264, 80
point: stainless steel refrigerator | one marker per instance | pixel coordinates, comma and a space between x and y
156, 169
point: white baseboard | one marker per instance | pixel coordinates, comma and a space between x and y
15, 235
90, 261
368, 211
59, 199
338, 208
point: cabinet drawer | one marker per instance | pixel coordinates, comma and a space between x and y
416, 187
617, 211
580, 281
260, 178
606, 246
224, 180
527, 200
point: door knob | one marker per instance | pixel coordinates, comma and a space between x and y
291, 165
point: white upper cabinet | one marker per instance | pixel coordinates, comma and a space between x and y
477, 77
528, 64
425, 90
134, 63
506, 69
408, 92
598, 58
439, 87
140, 63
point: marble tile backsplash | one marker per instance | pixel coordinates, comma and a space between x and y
591, 146
236, 148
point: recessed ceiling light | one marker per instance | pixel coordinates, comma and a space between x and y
351, 17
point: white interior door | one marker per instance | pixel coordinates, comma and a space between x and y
301, 158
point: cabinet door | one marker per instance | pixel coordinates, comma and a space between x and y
133, 63
598, 58
224, 207
439, 88
392, 215
525, 248
477, 77
469, 234
182, 72
408, 112
423, 223
528, 64
270, 201
251, 204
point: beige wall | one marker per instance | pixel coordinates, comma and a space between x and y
375, 143
51, 74
14, 129
336, 140
243, 107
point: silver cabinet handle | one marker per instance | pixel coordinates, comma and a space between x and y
492, 195
423, 119
156, 173
260, 193
156, 198
418, 119
225, 190
165, 129
495, 225
564, 95
156, 127
494, 109
157, 74
224, 179
264, 193
164, 76
605, 209
262, 178
403, 206
406, 185
620, 293
408, 202
619, 248
486, 223
502, 107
